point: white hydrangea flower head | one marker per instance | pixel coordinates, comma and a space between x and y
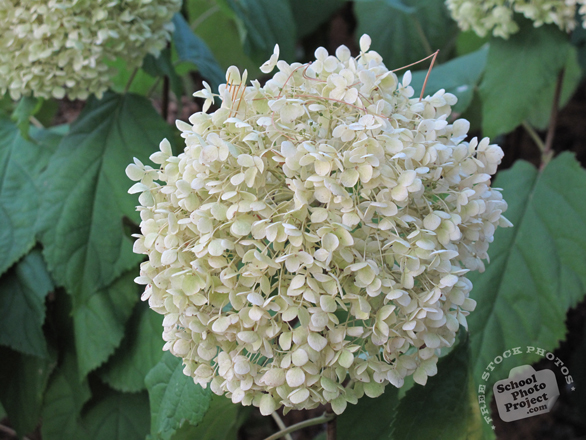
58, 48
311, 242
497, 16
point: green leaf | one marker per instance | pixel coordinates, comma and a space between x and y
6, 106
140, 350
85, 202
118, 416
86, 195
99, 322
541, 111
369, 418
27, 106
267, 22
66, 394
175, 399
20, 195
206, 17
405, 32
141, 83
221, 422
459, 76
446, 407
23, 380
309, 14
537, 269
47, 112
22, 305
518, 72
193, 49
468, 42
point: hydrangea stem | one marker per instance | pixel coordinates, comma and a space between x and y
534, 136
547, 152
422, 37
129, 82
331, 429
280, 424
165, 98
203, 17
324, 418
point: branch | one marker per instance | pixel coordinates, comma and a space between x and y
325, 418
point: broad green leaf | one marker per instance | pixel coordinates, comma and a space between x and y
20, 195
537, 268
309, 14
446, 407
369, 418
193, 49
459, 76
66, 394
175, 399
140, 350
206, 17
117, 416
85, 201
99, 322
518, 72
540, 113
221, 422
23, 380
405, 32
22, 305
141, 83
267, 22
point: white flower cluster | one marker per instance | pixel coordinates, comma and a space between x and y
58, 48
310, 244
497, 16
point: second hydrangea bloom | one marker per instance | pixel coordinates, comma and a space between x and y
310, 244
497, 16
58, 48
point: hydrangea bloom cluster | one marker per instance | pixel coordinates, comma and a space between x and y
58, 48
496, 16
310, 244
